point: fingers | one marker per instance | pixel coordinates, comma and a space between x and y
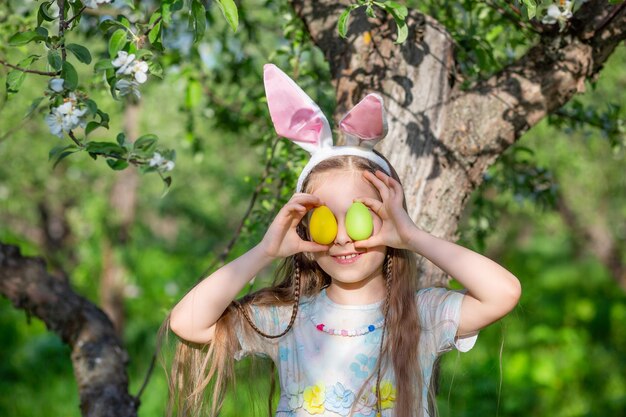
308, 200
377, 182
373, 204
369, 243
312, 247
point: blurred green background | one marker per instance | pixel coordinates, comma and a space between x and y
561, 352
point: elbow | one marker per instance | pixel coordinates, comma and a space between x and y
180, 326
175, 325
513, 293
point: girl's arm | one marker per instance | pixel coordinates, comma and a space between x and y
194, 317
492, 291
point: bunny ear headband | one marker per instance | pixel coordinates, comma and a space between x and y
296, 117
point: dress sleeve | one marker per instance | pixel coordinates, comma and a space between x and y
440, 313
269, 319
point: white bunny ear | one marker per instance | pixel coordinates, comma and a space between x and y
366, 124
294, 114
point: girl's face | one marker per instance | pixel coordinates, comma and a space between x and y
347, 266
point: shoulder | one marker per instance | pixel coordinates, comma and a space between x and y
435, 304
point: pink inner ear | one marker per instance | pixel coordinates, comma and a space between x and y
294, 114
365, 120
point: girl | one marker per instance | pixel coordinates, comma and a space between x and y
346, 326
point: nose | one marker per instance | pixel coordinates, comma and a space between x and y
342, 237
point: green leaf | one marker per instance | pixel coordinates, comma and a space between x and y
28, 61
121, 138
104, 119
155, 33
399, 10
117, 164
60, 152
531, 7
342, 26
43, 32
22, 38
33, 106
91, 126
107, 24
166, 12
167, 183
80, 52
69, 74
103, 65
146, 143
14, 80
105, 148
54, 59
155, 69
229, 10
91, 105
198, 19
117, 42
43, 14
403, 29
142, 53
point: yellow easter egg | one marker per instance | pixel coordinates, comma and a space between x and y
323, 225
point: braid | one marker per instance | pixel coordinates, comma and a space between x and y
388, 266
294, 311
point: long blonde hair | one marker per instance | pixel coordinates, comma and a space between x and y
210, 367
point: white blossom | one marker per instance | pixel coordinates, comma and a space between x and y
161, 163
55, 123
140, 70
56, 85
169, 165
66, 117
157, 159
126, 64
123, 62
554, 14
126, 87
93, 4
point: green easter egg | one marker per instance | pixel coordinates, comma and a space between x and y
323, 225
359, 222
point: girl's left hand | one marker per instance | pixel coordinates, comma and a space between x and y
397, 225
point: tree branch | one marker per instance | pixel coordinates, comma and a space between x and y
98, 357
509, 103
47, 73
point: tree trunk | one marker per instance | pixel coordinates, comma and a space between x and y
441, 139
98, 357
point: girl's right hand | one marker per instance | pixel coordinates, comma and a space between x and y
281, 239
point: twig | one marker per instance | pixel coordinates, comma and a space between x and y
147, 378
156, 22
67, 24
61, 4
76, 141
47, 73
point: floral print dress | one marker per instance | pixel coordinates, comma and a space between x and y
322, 373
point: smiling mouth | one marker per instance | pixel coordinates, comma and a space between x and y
348, 258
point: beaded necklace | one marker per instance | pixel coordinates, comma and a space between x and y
359, 331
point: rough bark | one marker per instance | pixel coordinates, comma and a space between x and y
98, 357
441, 139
